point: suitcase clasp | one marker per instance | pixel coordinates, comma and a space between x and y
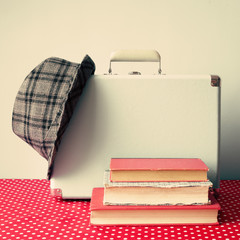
134, 73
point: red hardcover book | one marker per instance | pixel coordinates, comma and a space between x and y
157, 169
151, 215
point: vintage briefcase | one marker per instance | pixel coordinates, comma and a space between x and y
138, 116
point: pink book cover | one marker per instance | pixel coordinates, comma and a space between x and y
168, 164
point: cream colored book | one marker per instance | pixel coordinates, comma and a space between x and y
155, 193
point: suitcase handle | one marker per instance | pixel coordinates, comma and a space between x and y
135, 56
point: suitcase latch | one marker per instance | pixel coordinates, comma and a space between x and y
134, 73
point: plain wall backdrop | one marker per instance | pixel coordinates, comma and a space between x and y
193, 37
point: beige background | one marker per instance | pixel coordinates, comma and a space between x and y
193, 37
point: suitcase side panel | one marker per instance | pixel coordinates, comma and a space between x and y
137, 116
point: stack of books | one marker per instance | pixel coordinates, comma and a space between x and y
149, 191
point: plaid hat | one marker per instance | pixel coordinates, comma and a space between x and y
45, 102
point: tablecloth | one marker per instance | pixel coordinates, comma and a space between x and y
28, 211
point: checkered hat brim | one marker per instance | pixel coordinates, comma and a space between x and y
45, 102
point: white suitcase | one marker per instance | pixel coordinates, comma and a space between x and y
138, 116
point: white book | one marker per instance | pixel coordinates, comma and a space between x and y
155, 193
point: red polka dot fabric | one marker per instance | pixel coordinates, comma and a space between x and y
29, 212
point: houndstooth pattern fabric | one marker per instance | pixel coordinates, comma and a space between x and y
45, 102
